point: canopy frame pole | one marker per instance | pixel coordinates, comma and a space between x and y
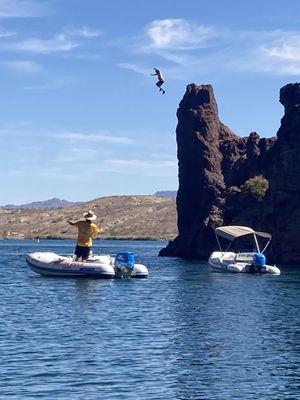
256, 243
265, 248
222, 251
227, 248
218, 242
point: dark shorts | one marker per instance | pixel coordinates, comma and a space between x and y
82, 252
159, 83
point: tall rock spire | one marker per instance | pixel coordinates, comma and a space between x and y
201, 183
199, 158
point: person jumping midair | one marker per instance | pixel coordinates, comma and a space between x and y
160, 81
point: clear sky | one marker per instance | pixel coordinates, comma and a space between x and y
80, 115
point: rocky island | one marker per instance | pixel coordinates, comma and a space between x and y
225, 179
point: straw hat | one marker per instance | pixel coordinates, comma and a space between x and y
90, 216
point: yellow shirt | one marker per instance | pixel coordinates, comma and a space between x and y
86, 231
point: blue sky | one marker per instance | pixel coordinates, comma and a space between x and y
80, 116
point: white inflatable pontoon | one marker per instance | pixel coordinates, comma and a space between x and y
97, 266
246, 262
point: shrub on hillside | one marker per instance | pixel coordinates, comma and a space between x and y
255, 187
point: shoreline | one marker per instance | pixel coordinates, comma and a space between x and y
146, 239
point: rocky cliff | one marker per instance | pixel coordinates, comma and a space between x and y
282, 202
226, 179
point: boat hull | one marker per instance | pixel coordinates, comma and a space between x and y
100, 267
49, 264
238, 263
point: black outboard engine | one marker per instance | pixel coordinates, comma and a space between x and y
124, 264
258, 264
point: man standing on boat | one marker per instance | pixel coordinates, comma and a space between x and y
161, 79
86, 231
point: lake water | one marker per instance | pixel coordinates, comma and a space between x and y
186, 332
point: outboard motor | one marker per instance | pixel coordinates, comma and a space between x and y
259, 263
124, 264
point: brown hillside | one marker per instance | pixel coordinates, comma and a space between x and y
121, 217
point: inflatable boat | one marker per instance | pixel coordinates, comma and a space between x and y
97, 266
251, 262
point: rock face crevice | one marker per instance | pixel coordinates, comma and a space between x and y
214, 163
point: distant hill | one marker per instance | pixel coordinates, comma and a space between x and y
167, 194
120, 217
50, 204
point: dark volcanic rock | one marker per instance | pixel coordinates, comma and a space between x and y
282, 203
201, 182
214, 163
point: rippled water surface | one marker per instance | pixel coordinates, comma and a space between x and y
184, 333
